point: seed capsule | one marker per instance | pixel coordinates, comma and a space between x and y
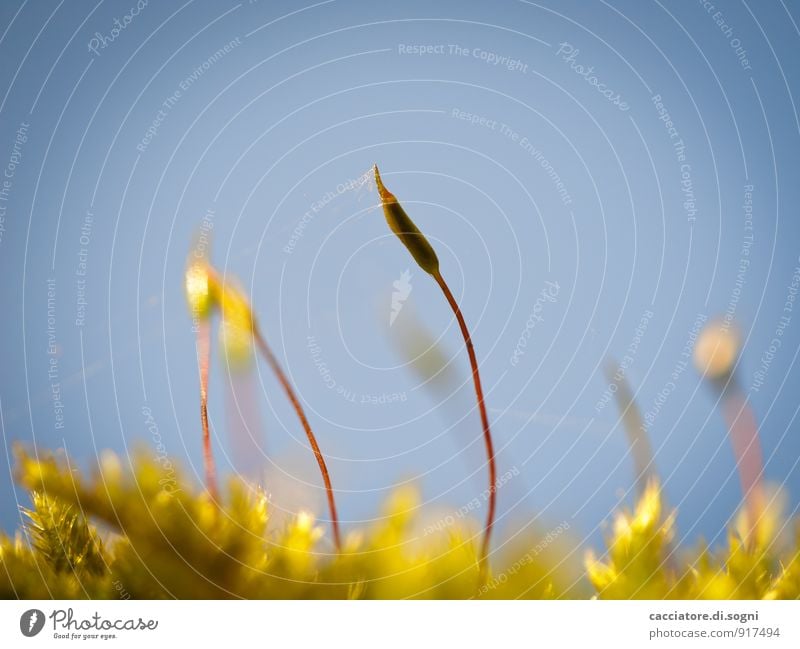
236, 326
402, 225
716, 350
201, 287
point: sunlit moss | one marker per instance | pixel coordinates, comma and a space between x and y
638, 563
63, 538
787, 583
143, 532
749, 567
642, 562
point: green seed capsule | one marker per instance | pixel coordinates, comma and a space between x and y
236, 326
402, 225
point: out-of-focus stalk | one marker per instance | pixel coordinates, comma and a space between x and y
241, 329
743, 430
715, 354
635, 430
201, 288
266, 352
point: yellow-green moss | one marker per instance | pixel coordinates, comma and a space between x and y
141, 534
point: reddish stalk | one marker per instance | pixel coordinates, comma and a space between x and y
487, 434
290, 393
715, 355
425, 256
204, 359
747, 450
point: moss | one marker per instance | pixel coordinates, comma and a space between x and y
133, 534
642, 561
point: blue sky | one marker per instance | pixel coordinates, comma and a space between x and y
617, 156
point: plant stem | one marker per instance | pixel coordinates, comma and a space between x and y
204, 358
487, 433
747, 451
290, 393
632, 422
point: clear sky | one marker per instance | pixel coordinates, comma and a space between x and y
597, 177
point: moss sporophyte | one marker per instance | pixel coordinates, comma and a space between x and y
425, 256
202, 290
716, 354
207, 293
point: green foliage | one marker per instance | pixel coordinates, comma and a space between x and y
638, 563
787, 584
63, 537
152, 535
60, 555
643, 563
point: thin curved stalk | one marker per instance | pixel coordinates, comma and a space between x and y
487, 433
204, 359
425, 256
312, 440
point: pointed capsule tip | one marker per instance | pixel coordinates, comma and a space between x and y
385, 194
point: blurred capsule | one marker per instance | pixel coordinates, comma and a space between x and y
236, 327
716, 350
201, 286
